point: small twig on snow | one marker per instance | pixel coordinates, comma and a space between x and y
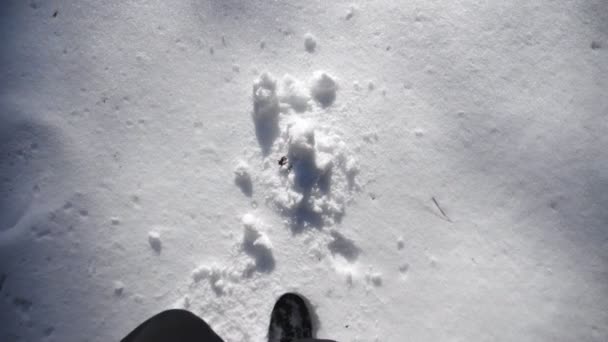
441, 210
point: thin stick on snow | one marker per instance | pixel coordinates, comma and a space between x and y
441, 210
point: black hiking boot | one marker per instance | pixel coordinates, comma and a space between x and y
290, 320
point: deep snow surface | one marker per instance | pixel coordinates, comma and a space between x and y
444, 167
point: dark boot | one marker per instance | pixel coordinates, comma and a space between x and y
291, 321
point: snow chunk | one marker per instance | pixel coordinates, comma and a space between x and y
241, 170
301, 140
218, 285
265, 101
324, 162
252, 235
200, 273
257, 245
249, 221
214, 274
242, 178
310, 42
323, 88
263, 242
287, 199
155, 242
215, 280
293, 93
352, 165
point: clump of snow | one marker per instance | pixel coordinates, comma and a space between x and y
257, 245
249, 221
323, 88
200, 273
293, 93
242, 178
265, 100
217, 284
301, 141
263, 242
310, 42
214, 274
155, 241
241, 171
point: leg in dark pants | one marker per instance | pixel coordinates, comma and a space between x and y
173, 326
178, 326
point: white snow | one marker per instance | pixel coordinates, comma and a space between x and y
443, 167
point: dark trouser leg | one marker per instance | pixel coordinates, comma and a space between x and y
173, 326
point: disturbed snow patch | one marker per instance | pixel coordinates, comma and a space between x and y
254, 254
316, 173
320, 178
